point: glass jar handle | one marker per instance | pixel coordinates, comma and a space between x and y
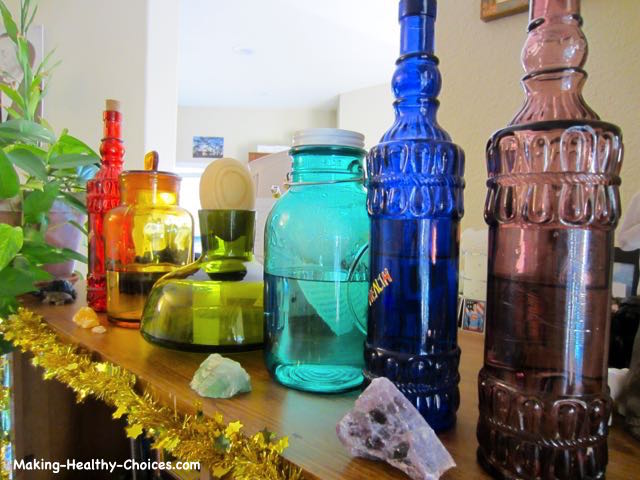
361, 323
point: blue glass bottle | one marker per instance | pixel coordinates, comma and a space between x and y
415, 183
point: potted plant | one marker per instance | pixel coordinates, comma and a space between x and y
42, 175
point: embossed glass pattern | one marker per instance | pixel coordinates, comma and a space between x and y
552, 207
415, 184
103, 194
315, 276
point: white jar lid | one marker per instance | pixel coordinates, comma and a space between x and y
328, 136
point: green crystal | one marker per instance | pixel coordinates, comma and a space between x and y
220, 377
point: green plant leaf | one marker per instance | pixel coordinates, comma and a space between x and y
30, 21
12, 113
27, 160
13, 95
8, 305
43, 222
37, 204
25, 264
16, 282
47, 125
26, 130
72, 254
72, 201
63, 172
9, 181
37, 151
24, 60
41, 69
32, 235
71, 160
70, 144
78, 226
9, 24
32, 184
11, 239
41, 253
35, 96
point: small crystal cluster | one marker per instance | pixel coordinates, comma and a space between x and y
85, 317
384, 425
220, 377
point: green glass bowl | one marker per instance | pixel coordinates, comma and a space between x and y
216, 303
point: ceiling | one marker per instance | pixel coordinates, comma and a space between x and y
283, 53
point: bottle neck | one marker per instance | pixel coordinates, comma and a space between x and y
112, 148
553, 58
417, 35
416, 82
227, 233
553, 8
326, 163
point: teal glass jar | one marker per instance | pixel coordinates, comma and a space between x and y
316, 266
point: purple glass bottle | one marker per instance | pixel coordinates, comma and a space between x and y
552, 207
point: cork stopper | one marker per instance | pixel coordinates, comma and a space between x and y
112, 105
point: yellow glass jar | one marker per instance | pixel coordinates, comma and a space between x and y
147, 236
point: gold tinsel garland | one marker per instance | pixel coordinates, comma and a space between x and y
223, 448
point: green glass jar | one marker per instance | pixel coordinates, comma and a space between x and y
215, 303
316, 275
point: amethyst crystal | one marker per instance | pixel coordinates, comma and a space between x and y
384, 425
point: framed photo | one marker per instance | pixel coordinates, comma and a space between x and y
208, 147
492, 9
626, 271
473, 315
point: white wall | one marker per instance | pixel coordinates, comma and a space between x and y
102, 46
122, 49
480, 64
161, 86
244, 129
368, 111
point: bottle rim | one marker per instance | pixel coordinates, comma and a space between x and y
150, 173
328, 137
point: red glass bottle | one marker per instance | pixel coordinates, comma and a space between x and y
552, 207
103, 194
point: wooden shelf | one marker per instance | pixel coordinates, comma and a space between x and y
309, 420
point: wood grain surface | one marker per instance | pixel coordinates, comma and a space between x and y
308, 419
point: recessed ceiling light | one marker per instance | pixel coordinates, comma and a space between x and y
243, 50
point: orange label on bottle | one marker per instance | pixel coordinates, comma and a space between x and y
381, 282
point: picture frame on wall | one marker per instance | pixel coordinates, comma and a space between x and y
493, 9
626, 271
208, 147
